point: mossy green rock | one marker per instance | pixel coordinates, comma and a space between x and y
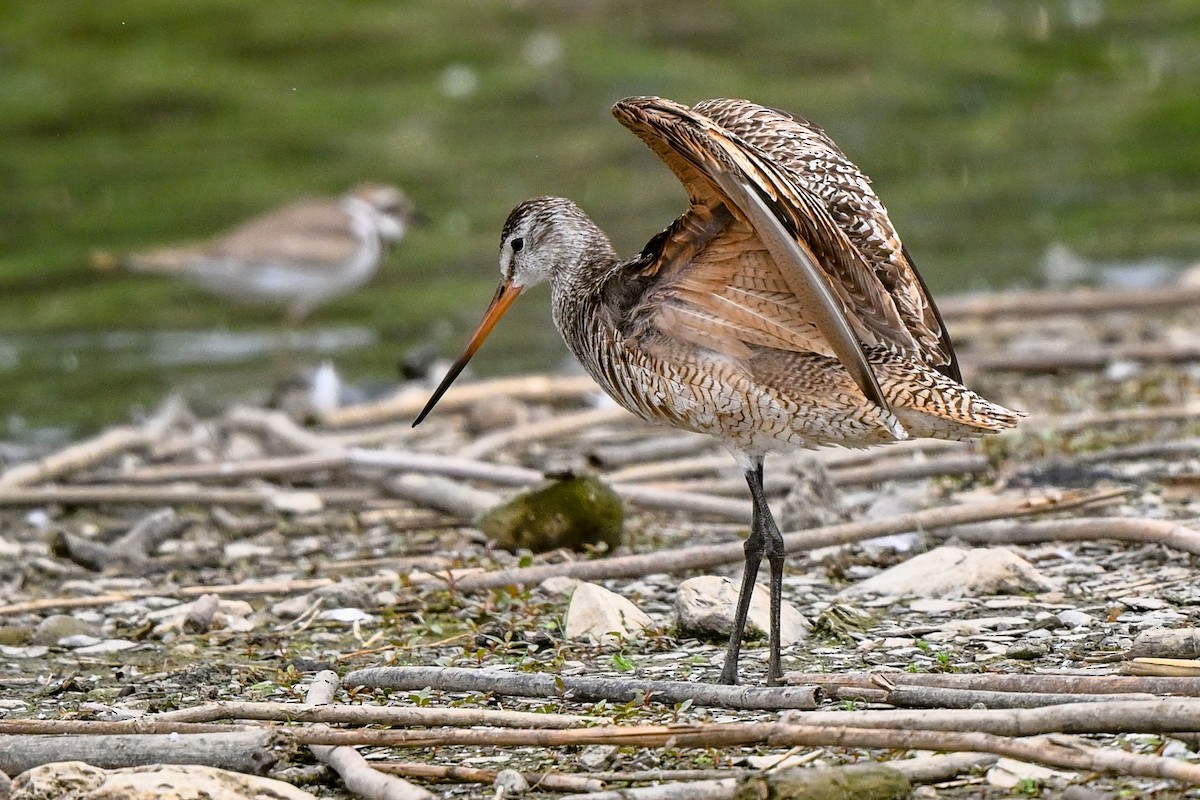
577, 513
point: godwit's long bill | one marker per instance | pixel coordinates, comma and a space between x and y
779, 311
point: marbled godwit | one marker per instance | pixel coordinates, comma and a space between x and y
296, 257
780, 311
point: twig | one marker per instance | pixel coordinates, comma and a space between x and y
941, 697
442, 494
951, 464
1080, 358
1000, 681
657, 448
411, 400
1076, 301
337, 714
692, 558
618, 690
283, 428
1166, 643
116, 494
547, 781
356, 772
231, 471
450, 466
1176, 715
1038, 750
545, 429
253, 751
141, 540
1129, 529
75, 457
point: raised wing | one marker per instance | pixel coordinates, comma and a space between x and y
783, 271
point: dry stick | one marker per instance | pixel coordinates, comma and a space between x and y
246, 588
442, 494
450, 466
1129, 529
547, 781
254, 751
338, 714
1176, 715
545, 429
232, 471
411, 400
674, 445
1039, 750
1077, 301
53, 727
116, 494
281, 427
941, 697
1177, 643
76, 456
691, 558
148, 533
356, 772
1081, 358
1001, 682
1072, 423
955, 464
617, 690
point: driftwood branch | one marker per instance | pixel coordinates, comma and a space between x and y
337, 714
356, 772
254, 751
1128, 529
617, 690
1073, 301
1036, 749
1001, 682
411, 400
118, 494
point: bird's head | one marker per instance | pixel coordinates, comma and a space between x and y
543, 239
390, 210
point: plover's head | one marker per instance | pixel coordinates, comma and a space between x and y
391, 209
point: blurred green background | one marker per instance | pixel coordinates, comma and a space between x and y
992, 130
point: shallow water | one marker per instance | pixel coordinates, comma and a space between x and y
995, 132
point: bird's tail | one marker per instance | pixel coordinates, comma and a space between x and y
162, 260
929, 404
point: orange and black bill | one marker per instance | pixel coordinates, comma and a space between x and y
506, 293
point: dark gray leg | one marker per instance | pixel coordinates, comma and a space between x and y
764, 539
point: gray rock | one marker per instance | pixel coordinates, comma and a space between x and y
1028, 650
704, 607
955, 572
604, 616
1076, 619
59, 626
81, 781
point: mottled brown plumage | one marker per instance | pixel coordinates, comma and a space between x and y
780, 310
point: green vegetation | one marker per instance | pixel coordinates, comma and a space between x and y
991, 130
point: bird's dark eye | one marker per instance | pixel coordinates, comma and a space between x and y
518, 244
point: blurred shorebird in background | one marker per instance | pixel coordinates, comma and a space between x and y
780, 311
297, 257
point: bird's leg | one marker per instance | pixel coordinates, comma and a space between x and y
759, 542
775, 557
